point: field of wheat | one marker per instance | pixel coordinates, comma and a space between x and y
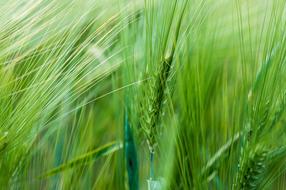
142, 94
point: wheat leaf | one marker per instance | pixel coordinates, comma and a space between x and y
83, 159
130, 155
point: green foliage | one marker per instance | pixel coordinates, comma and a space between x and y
194, 90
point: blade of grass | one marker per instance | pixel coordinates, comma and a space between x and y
83, 159
130, 155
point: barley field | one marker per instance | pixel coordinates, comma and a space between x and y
142, 94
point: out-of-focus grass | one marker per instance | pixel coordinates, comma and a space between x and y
200, 84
